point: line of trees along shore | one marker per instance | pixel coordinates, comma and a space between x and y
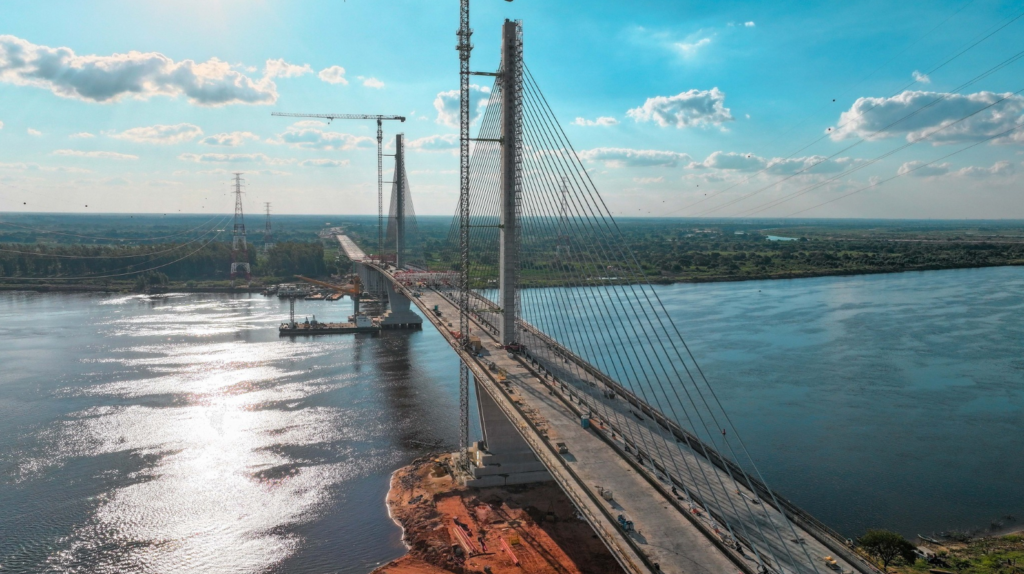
179, 262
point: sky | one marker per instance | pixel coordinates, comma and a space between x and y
850, 109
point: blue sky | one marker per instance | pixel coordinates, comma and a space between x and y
677, 108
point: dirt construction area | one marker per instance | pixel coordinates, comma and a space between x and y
515, 529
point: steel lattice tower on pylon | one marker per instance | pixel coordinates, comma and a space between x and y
268, 235
239, 248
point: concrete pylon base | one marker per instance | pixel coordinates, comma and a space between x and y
503, 457
400, 316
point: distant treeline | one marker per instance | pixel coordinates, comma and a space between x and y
179, 262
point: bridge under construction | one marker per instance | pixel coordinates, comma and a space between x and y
587, 382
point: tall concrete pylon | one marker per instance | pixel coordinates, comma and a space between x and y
400, 184
511, 177
504, 457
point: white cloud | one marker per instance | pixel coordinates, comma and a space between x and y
922, 78
690, 48
308, 135
139, 75
94, 154
447, 105
234, 158
81, 135
280, 69
624, 157
932, 111
372, 83
749, 24
227, 172
1, 125
323, 162
920, 169
647, 180
36, 167
750, 163
601, 121
732, 161
160, 134
333, 75
33, 132
435, 143
1000, 168
693, 108
229, 139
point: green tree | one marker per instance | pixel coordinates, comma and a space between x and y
887, 546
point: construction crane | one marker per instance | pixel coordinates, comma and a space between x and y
380, 158
353, 289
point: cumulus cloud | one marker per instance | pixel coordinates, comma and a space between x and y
732, 161
1000, 168
333, 75
310, 135
691, 48
624, 157
646, 180
280, 69
81, 135
372, 83
749, 24
447, 105
750, 163
601, 121
1, 125
94, 154
922, 78
33, 132
233, 158
229, 139
693, 108
139, 75
323, 162
993, 114
160, 134
435, 143
921, 169
47, 168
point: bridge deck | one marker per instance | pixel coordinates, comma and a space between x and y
669, 532
352, 251
663, 536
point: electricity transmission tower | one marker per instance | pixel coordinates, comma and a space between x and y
239, 249
268, 236
380, 159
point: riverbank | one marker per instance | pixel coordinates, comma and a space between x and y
658, 279
981, 555
450, 528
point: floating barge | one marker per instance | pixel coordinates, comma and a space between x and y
362, 324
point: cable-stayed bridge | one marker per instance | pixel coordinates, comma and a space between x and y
580, 374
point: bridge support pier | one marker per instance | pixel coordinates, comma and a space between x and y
503, 457
399, 315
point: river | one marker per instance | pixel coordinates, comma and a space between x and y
178, 433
